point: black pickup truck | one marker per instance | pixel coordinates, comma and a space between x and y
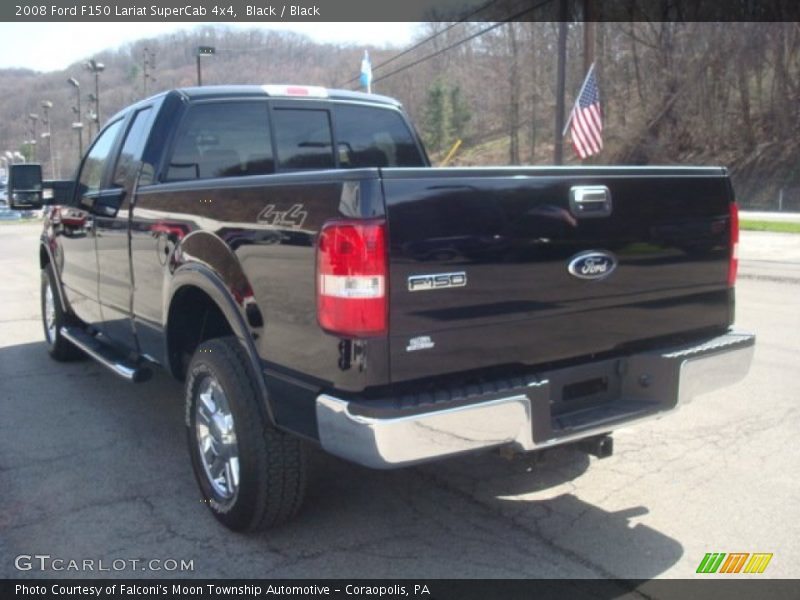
289, 253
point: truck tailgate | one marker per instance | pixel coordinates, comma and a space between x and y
479, 264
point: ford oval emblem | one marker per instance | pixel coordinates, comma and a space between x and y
594, 264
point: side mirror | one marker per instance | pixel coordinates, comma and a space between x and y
25, 186
58, 191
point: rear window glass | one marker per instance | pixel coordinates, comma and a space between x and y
303, 138
222, 139
374, 137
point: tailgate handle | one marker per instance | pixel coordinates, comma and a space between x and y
587, 201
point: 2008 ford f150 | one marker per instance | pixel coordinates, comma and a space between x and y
290, 254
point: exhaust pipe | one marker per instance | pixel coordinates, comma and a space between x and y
601, 446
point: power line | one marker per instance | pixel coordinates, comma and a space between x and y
463, 41
426, 40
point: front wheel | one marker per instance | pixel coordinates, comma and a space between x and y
252, 476
53, 318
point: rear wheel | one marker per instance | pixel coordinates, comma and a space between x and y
53, 318
252, 476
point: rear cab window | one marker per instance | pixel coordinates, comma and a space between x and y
231, 138
370, 136
303, 138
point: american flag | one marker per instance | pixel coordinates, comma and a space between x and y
586, 127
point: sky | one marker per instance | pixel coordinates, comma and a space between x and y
70, 42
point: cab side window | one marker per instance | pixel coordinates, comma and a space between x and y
91, 177
222, 139
131, 153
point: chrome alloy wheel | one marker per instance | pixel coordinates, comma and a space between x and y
50, 313
216, 438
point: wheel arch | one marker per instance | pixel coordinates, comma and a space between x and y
196, 289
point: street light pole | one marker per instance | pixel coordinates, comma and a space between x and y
203, 51
78, 127
46, 106
96, 67
91, 115
76, 84
34, 121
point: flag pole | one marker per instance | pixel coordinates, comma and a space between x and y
366, 72
578, 97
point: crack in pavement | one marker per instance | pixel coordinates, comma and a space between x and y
534, 532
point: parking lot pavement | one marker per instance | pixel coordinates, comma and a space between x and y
770, 256
95, 468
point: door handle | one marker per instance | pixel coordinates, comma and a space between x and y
589, 201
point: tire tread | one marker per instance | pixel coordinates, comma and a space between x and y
281, 458
62, 349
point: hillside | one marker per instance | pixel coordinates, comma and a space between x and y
242, 57
694, 93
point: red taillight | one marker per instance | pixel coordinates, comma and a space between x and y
351, 278
733, 266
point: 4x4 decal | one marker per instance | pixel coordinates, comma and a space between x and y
295, 216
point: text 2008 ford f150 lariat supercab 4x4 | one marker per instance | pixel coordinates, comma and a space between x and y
289, 252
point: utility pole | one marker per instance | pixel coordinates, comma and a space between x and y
588, 35
513, 157
558, 149
203, 51
148, 60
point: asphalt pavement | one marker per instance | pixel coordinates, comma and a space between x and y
92, 468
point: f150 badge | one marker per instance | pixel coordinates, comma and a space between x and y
595, 264
423, 342
436, 281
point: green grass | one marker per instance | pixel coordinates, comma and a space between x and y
776, 226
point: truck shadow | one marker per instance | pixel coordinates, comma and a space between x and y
524, 516
93, 466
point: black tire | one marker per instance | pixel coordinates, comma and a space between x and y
272, 465
58, 347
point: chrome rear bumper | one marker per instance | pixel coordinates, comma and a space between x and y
644, 386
